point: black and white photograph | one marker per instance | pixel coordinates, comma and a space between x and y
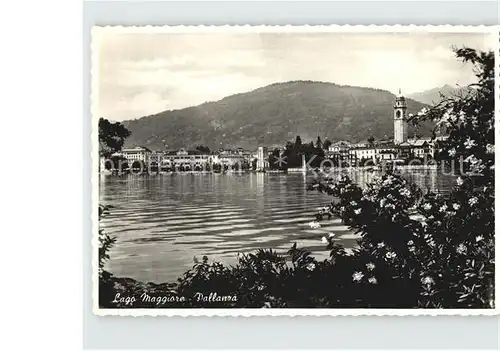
294, 169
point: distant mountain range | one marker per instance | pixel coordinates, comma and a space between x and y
433, 96
274, 114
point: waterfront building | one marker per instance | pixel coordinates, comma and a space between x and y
338, 152
233, 158
417, 148
375, 152
186, 159
139, 153
386, 153
155, 157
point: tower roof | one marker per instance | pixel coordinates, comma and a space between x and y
400, 96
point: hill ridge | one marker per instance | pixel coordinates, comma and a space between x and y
273, 114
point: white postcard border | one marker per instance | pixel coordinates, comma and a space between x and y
240, 312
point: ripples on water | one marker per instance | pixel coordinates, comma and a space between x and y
162, 221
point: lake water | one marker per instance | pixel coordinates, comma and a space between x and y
162, 222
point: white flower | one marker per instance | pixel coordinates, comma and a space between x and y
404, 192
311, 266
443, 208
456, 206
460, 181
390, 255
452, 152
411, 249
357, 276
473, 160
427, 280
372, 280
490, 148
479, 238
410, 242
469, 143
422, 112
353, 203
314, 225
387, 181
380, 245
473, 201
382, 202
461, 249
331, 235
427, 206
357, 211
324, 240
370, 266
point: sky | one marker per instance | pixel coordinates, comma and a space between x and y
140, 74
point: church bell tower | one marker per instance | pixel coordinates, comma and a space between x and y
400, 123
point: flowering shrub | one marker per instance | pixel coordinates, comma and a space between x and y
416, 250
439, 250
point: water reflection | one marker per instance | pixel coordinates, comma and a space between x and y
162, 221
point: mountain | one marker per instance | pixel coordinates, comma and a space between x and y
272, 115
432, 96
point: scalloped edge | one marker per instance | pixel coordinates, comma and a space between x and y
187, 312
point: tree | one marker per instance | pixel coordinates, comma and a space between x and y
326, 144
111, 137
319, 144
298, 142
371, 140
203, 149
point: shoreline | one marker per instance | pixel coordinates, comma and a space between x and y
291, 170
